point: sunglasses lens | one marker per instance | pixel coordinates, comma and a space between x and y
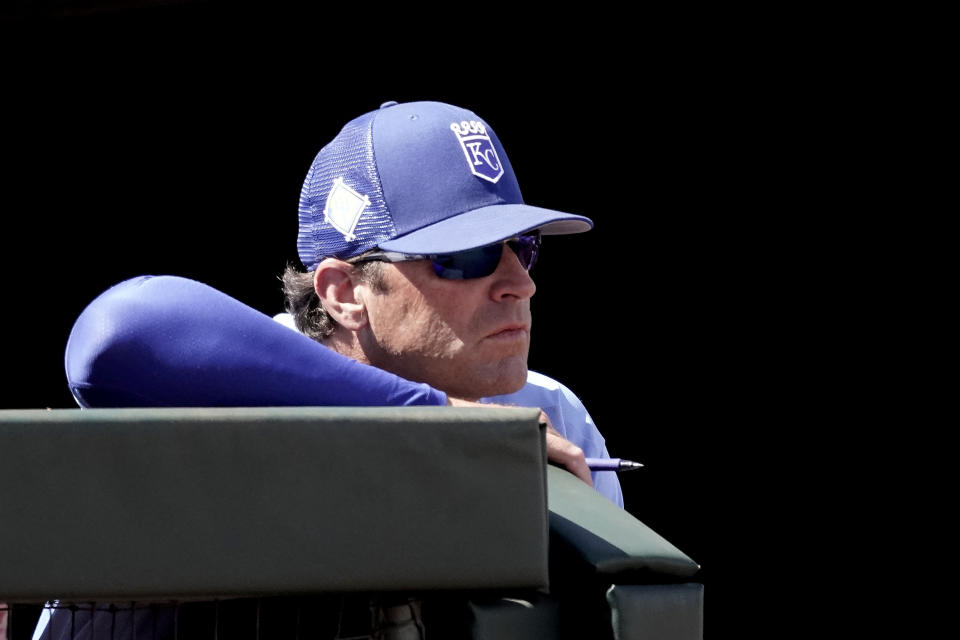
526, 248
481, 262
475, 263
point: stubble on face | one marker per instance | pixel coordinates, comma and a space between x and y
437, 331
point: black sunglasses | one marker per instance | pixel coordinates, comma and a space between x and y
472, 263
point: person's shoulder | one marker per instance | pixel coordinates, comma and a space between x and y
286, 320
538, 380
548, 385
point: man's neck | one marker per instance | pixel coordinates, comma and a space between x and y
346, 345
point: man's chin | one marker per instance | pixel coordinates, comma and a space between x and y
510, 380
506, 376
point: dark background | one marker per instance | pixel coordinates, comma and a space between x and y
172, 138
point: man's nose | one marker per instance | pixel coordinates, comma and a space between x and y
511, 279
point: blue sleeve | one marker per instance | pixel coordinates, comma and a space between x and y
165, 341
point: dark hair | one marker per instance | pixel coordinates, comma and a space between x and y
303, 303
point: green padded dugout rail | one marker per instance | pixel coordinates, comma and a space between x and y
669, 611
606, 539
179, 503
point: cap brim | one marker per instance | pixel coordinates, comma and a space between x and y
484, 226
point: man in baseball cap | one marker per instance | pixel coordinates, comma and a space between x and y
417, 247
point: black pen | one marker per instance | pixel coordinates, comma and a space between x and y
612, 464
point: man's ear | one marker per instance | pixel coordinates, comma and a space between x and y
333, 283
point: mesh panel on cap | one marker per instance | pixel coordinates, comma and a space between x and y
348, 157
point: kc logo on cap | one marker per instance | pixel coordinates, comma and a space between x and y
478, 149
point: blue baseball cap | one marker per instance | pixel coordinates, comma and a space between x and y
420, 178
